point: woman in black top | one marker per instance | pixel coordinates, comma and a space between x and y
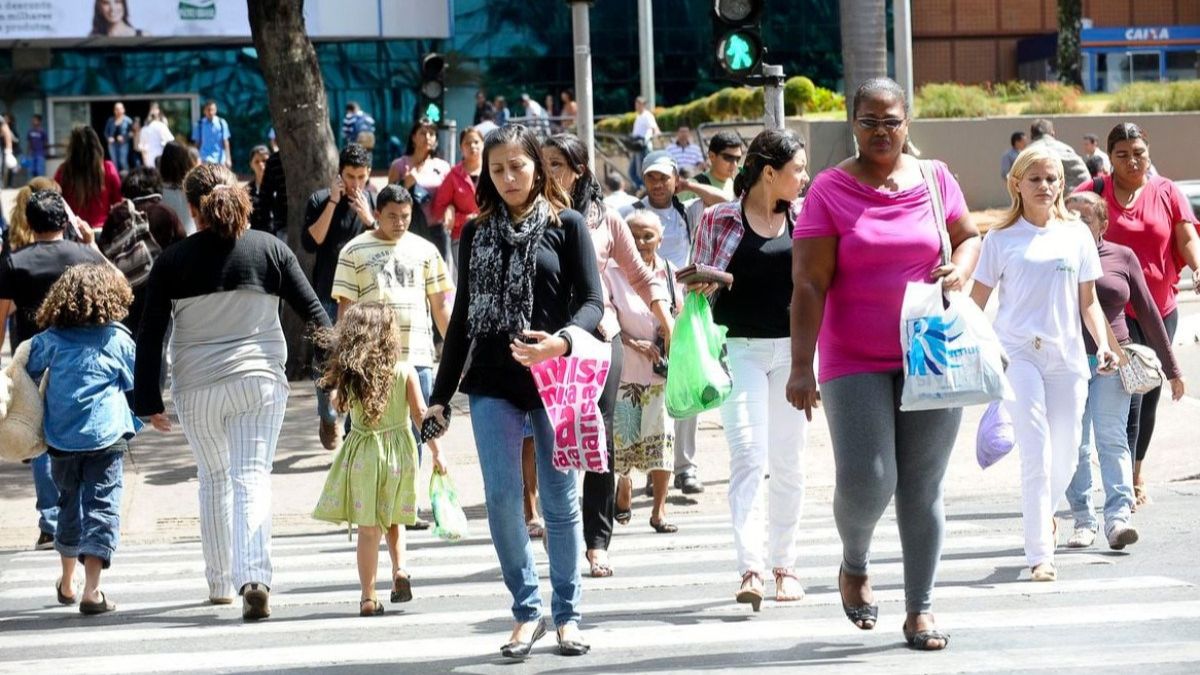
751, 238
221, 287
527, 269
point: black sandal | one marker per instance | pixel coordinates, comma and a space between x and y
663, 527
93, 608
623, 516
377, 607
859, 615
401, 587
63, 599
920, 639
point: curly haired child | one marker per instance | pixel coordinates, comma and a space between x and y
372, 482
88, 356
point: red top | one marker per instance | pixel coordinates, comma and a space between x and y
457, 191
1148, 227
95, 211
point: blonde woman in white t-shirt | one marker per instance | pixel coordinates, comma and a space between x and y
1044, 262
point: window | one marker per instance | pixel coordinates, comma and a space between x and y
1183, 65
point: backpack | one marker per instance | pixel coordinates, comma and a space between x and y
132, 250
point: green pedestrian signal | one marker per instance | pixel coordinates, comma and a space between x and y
740, 53
434, 113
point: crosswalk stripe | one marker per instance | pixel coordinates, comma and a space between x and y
318, 567
623, 639
454, 587
433, 549
330, 628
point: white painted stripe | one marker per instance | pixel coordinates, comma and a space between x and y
327, 567
454, 588
635, 541
622, 640
328, 629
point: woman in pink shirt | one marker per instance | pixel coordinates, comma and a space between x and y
565, 158
866, 230
457, 192
90, 183
1151, 215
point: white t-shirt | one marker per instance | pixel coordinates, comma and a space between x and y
644, 125
1038, 271
154, 136
675, 247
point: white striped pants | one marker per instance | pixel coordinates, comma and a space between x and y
232, 428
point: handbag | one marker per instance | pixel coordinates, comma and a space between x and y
952, 356
1142, 371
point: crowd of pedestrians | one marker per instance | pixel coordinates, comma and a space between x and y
516, 252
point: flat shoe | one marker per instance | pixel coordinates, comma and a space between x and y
256, 602
63, 599
375, 608
782, 574
93, 608
572, 647
519, 650
920, 639
214, 600
401, 588
1043, 572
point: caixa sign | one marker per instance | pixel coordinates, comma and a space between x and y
1159, 34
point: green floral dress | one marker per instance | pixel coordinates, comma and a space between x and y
373, 480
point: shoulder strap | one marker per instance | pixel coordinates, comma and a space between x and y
939, 209
670, 284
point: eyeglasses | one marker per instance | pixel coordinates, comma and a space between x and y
731, 158
871, 124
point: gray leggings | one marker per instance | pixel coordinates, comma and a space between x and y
880, 451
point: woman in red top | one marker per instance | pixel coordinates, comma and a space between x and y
458, 190
90, 183
1151, 215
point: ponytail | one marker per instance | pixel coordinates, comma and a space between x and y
226, 211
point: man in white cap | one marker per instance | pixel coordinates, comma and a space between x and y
660, 173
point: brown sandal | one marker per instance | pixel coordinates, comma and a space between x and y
401, 587
751, 590
781, 575
375, 608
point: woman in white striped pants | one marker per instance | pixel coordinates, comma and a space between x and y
222, 287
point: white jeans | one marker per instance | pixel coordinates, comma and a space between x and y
232, 429
766, 435
1047, 419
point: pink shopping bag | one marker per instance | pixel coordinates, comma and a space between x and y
570, 388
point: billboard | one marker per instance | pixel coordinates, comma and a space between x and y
132, 22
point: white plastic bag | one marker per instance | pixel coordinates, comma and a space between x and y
952, 357
995, 437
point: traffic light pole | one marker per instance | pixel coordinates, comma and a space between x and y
772, 96
584, 120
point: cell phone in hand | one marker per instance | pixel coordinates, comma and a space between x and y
431, 429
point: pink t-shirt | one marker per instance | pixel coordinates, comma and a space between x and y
885, 240
1148, 227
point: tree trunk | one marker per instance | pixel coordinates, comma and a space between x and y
1070, 60
864, 45
300, 113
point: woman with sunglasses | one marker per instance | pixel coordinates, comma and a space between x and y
866, 230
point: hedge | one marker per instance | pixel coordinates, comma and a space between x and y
1053, 98
1157, 97
956, 100
734, 103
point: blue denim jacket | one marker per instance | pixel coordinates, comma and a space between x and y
90, 369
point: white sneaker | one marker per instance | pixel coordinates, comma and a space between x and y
1121, 536
1082, 537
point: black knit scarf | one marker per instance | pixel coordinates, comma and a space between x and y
502, 297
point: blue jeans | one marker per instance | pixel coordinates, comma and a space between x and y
324, 407
497, 425
119, 152
89, 501
47, 493
1107, 411
37, 165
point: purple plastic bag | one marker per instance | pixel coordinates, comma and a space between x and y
995, 438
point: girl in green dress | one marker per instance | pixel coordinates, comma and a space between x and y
372, 482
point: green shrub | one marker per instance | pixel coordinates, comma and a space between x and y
798, 94
955, 100
1157, 97
1012, 91
1053, 98
827, 100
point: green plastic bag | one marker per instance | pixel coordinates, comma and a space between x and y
450, 522
697, 374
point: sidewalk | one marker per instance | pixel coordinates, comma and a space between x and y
160, 501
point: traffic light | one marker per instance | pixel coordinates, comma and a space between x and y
736, 38
433, 88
